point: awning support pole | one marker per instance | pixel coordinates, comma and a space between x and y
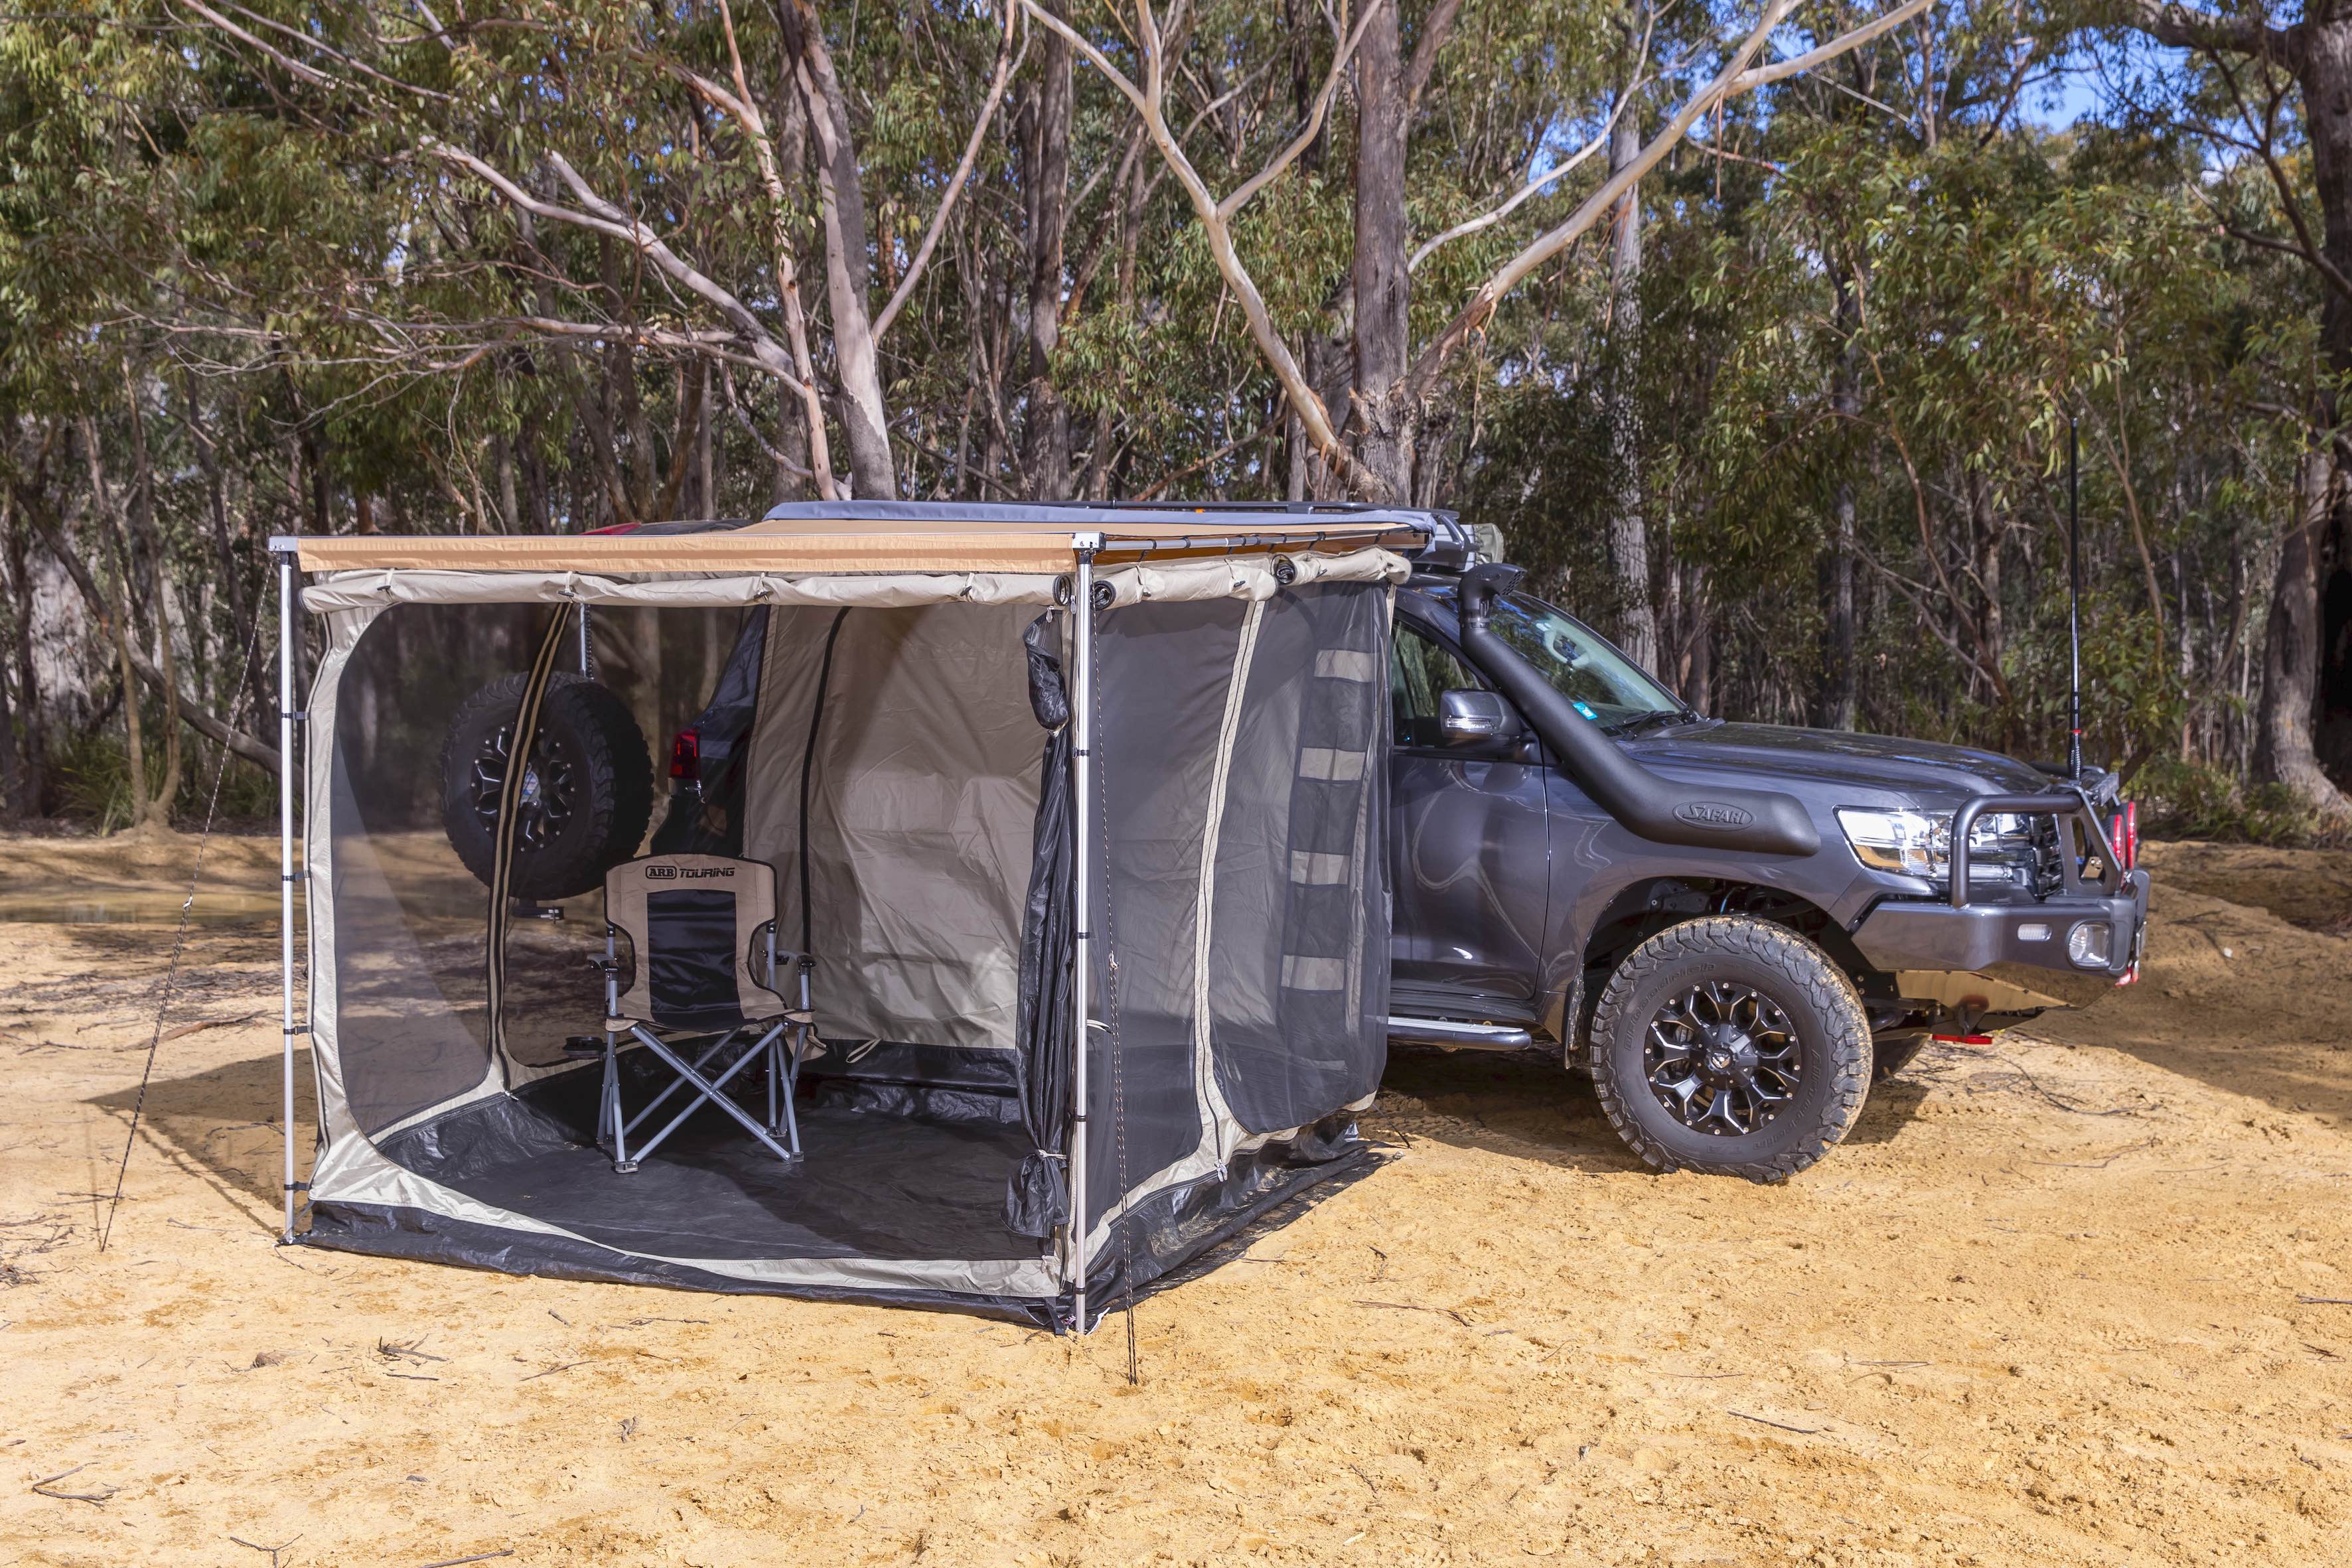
1082, 789
286, 775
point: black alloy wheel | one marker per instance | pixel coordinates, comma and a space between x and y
551, 789
586, 793
1723, 1057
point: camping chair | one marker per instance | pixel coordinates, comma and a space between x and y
702, 931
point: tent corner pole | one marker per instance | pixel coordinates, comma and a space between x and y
1082, 781
283, 549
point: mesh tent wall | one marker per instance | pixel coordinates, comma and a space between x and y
1163, 819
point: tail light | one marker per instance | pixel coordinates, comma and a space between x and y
685, 755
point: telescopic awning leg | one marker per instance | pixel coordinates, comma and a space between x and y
1081, 784
286, 853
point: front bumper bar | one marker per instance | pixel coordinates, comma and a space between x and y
2028, 937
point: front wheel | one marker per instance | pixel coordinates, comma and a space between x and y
1732, 1045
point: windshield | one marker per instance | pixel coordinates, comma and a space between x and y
1605, 686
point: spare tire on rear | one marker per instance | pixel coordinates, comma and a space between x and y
586, 797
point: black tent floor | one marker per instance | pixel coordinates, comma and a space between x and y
869, 1185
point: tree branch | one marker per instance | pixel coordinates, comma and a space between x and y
2182, 28
1735, 78
1007, 62
603, 217
1307, 133
198, 719
1435, 30
1526, 192
293, 67
1780, 70
1215, 217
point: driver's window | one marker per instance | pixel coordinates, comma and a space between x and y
1419, 670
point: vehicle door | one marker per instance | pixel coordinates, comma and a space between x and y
1470, 857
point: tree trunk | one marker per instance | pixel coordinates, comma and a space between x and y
848, 269
502, 466
12, 757
33, 748
1382, 416
139, 511
1629, 542
705, 449
1834, 705
2282, 740
2301, 662
1045, 170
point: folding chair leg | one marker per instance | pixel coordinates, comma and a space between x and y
607, 1096
792, 1065
622, 1162
710, 1091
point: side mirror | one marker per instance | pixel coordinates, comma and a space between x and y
1475, 717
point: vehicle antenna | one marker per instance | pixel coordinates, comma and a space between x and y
2073, 604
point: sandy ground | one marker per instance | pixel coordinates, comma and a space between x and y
2047, 1306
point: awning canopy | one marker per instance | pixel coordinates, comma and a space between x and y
890, 536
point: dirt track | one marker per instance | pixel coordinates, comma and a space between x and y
2042, 1309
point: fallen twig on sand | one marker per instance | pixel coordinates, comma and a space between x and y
1417, 1307
2096, 1165
2061, 1102
483, 1557
273, 1551
2325, 1301
552, 1371
94, 1499
389, 1351
1767, 1421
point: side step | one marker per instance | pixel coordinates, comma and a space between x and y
1460, 1036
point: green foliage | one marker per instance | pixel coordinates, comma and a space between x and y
2181, 799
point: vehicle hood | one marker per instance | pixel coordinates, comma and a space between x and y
1920, 769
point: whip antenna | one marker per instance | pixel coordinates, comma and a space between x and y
2074, 603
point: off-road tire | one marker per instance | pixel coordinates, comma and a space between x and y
1832, 1036
608, 779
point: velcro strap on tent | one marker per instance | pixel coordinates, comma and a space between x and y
502, 851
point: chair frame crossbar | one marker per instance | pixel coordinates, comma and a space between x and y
709, 1090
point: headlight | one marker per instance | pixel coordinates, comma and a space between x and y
1919, 844
1911, 842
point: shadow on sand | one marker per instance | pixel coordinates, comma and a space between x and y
1526, 1106
221, 1126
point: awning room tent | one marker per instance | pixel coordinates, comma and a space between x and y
1096, 903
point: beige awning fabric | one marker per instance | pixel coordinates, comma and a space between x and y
1223, 577
829, 545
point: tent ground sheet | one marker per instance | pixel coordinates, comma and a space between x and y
869, 1185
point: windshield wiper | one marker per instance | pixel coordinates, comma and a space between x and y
1650, 720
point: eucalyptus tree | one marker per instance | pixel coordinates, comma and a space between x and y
2272, 86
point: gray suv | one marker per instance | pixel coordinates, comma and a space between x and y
1734, 928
